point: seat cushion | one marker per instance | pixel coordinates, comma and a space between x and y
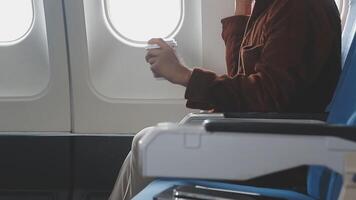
323, 183
159, 186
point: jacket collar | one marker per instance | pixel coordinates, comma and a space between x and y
258, 9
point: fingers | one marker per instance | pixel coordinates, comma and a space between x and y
160, 42
155, 74
152, 53
152, 61
155, 56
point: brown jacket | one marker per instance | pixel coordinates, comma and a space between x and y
288, 60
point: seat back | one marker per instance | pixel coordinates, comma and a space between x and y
343, 105
323, 183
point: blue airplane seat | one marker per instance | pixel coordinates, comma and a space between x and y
323, 184
343, 107
159, 186
344, 102
347, 38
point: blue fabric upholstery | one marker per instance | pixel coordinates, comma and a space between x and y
348, 36
159, 186
344, 103
323, 183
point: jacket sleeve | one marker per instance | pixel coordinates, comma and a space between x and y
232, 34
280, 69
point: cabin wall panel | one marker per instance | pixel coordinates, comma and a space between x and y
113, 88
116, 108
34, 91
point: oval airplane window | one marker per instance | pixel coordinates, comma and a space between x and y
16, 19
134, 22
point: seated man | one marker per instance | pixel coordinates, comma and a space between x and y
282, 57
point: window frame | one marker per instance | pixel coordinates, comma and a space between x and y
131, 42
25, 34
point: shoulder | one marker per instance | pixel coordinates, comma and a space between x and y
300, 6
283, 8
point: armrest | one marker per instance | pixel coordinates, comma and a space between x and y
306, 129
304, 116
183, 151
198, 118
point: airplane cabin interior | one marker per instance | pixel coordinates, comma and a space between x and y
75, 89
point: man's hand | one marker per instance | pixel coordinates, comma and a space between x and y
243, 7
165, 63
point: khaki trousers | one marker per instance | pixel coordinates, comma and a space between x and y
130, 180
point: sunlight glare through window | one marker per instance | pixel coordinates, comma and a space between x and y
134, 22
16, 18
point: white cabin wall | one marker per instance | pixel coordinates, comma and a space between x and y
113, 89
213, 45
107, 111
34, 83
118, 72
24, 73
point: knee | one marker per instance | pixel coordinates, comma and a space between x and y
138, 137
